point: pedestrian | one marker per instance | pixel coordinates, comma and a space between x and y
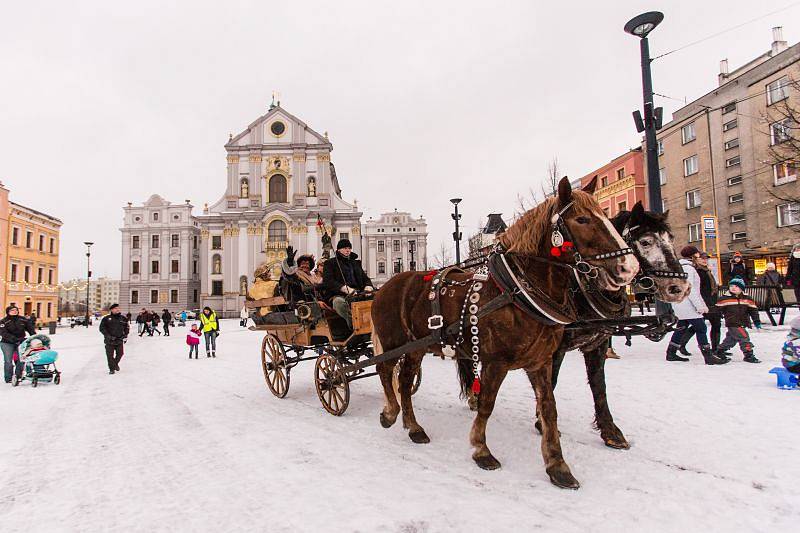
738, 309
244, 316
183, 318
738, 269
210, 324
114, 328
771, 277
166, 316
193, 340
128, 316
690, 314
793, 272
154, 320
13, 330
33, 319
143, 322
708, 291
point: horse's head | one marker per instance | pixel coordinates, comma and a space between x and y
594, 237
650, 237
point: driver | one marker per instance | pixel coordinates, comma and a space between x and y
344, 276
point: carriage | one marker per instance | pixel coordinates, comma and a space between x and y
311, 331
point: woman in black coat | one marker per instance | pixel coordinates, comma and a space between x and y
793, 272
13, 330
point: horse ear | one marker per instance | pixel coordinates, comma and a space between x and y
591, 186
564, 191
637, 211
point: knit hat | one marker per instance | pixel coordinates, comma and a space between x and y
688, 251
737, 254
794, 332
739, 282
114, 306
9, 308
770, 266
344, 243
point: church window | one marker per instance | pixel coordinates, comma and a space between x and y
277, 189
244, 188
381, 267
380, 246
216, 242
276, 231
216, 288
396, 246
243, 286
154, 241
277, 128
216, 264
175, 240
155, 217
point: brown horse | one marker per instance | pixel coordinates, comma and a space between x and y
511, 336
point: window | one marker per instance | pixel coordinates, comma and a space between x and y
216, 264
154, 267
788, 214
730, 125
663, 205
173, 296
49, 309
694, 232
41, 243
736, 180
396, 246
50, 277
622, 206
15, 236
155, 217
344, 236
398, 266
39, 309
693, 199
381, 267
733, 161
216, 288
28, 239
785, 172
175, 240
40, 275
13, 274
26, 276
154, 241
380, 246
604, 181
734, 198
216, 242
690, 166
154, 296
194, 295
733, 143
688, 133
194, 242
276, 232
135, 267
728, 108
660, 147
134, 297
738, 217
52, 245
277, 189
175, 266
620, 174
135, 242
194, 267
780, 131
777, 90
739, 236
244, 188
662, 176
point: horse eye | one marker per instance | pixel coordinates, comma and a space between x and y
583, 220
646, 242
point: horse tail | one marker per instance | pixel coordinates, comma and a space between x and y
465, 377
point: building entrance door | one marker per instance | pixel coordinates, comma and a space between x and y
27, 308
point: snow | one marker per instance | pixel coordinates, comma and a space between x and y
201, 445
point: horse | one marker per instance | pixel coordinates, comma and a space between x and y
562, 239
650, 237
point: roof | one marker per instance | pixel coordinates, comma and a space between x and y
273, 111
35, 212
494, 224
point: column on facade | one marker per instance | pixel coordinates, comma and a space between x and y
205, 260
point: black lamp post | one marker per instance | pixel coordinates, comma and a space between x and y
456, 233
88, 277
641, 26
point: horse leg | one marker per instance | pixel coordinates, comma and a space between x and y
558, 360
595, 372
492, 376
390, 407
408, 370
555, 466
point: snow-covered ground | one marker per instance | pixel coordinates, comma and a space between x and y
173, 444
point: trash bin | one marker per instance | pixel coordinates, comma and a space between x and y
51, 326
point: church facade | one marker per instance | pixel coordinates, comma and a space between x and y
281, 189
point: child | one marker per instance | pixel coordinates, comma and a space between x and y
791, 348
738, 309
193, 340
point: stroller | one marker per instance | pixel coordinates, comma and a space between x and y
39, 361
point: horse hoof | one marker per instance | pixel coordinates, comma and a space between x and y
419, 437
563, 479
617, 444
385, 422
472, 401
487, 462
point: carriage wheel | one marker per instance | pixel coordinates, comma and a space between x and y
396, 380
333, 388
273, 362
57, 379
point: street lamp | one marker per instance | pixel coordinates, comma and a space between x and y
641, 26
456, 233
88, 277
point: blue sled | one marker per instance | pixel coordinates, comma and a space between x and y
786, 380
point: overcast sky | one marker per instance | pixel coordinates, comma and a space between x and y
108, 102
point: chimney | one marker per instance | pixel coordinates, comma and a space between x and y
723, 71
778, 44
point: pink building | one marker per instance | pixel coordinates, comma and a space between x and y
620, 183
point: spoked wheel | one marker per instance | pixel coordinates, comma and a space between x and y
57, 379
396, 380
333, 388
273, 362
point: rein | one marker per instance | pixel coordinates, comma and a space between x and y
644, 278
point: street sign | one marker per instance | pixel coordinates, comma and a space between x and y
709, 225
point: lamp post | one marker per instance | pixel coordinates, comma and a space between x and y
412, 247
456, 233
88, 277
641, 26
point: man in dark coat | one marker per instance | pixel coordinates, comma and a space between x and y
738, 269
166, 316
114, 328
342, 277
793, 272
13, 330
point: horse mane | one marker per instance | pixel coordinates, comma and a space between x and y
649, 220
526, 234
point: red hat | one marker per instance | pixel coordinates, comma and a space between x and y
737, 254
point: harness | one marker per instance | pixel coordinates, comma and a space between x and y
644, 278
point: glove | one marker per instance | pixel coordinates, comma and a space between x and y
348, 290
369, 288
290, 253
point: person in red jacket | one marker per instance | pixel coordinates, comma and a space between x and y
193, 340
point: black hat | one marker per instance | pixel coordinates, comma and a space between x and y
10, 307
113, 306
344, 243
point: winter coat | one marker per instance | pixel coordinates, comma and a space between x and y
738, 310
14, 329
114, 328
340, 271
209, 323
155, 319
739, 270
193, 337
708, 286
166, 317
141, 318
771, 278
793, 272
692, 306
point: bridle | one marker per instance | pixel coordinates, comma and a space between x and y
646, 276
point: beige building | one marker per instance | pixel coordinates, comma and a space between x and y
102, 293
716, 157
395, 242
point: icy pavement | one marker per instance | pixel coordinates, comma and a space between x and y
173, 444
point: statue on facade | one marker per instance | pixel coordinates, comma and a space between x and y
312, 186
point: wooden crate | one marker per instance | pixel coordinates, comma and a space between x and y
362, 317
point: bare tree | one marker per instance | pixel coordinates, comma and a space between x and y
783, 129
443, 258
550, 186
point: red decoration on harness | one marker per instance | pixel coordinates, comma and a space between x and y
476, 386
429, 276
555, 251
567, 246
